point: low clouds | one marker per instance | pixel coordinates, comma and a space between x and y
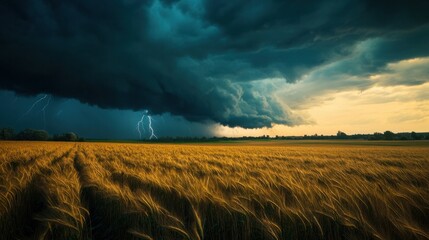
407, 72
216, 61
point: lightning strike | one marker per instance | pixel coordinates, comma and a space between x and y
138, 126
152, 134
44, 112
43, 109
140, 123
34, 104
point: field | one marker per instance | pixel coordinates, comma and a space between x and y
242, 190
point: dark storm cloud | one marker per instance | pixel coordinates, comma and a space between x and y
203, 60
67, 115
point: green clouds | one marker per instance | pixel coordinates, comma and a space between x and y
208, 61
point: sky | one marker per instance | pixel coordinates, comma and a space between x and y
214, 67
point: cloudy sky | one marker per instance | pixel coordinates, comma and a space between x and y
214, 67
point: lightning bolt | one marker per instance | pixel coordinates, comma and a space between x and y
140, 123
138, 126
152, 134
44, 112
35, 103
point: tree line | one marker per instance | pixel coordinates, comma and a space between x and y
387, 135
42, 135
37, 135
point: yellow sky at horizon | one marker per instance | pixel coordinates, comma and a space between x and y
398, 108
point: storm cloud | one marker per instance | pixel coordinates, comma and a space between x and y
217, 61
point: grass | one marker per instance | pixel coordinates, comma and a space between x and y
240, 190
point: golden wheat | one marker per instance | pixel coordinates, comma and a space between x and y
280, 190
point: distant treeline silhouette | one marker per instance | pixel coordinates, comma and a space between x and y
42, 135
37, 135
387, 135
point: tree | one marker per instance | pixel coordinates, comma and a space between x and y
341, 135
32, 134
70, 136
7, 134
388, 135
377, 136
415, 136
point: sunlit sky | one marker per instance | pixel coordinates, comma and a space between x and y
214, 68
375, 110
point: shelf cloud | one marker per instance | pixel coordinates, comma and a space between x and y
207, 61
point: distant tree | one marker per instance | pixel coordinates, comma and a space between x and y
415, 136
24, 134
32, 134
403, 138
377, 136
427, 137
341, 135
388, 135
7, 134
41, 135
70, 137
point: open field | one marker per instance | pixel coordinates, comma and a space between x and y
242, 190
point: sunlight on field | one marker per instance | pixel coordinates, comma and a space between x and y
267, 190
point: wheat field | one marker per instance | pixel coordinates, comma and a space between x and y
249, 190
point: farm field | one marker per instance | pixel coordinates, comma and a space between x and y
242, 190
